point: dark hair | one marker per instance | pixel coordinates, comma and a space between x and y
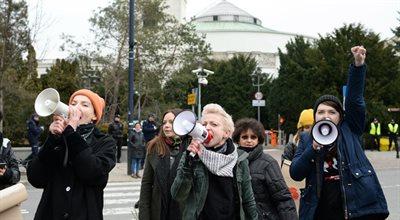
244, 124
157, 144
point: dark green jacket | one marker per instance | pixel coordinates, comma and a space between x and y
191, 186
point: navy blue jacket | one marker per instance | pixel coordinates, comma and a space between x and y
361, 191
149, 129
34, 131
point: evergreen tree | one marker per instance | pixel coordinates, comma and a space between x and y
311, 69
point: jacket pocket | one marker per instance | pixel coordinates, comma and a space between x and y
364, 186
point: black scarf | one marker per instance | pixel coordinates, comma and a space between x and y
86, 132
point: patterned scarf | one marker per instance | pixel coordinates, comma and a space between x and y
218, 163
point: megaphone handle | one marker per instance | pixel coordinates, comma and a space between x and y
192, 154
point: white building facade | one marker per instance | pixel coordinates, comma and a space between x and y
230, 30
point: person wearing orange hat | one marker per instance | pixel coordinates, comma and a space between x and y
72, 166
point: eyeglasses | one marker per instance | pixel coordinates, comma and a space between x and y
252, 137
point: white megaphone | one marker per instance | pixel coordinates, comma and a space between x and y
185, 124
48, 102
324, 132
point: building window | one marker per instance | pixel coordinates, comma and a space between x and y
255, 20
236, 17
215, 18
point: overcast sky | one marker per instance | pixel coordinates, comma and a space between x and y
308, 17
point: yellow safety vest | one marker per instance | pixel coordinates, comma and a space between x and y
393, 129
375, 130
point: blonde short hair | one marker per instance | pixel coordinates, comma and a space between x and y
227, 121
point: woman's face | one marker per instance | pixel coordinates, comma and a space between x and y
214, 124
167, 125
248, 139
307, 128
84, 104
326, 111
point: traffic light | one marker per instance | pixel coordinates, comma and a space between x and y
281, 120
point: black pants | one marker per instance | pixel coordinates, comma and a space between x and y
392, 138
375, 142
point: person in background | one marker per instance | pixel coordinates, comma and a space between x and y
34, 131
163, 155
306, 120
340, 181
73, 165
116, 130
375, 132
9, 171
216, 183
393, 129
138, 149
271, 193
150, 129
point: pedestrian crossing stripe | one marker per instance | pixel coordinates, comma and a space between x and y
123, 184
125, 188
122, 194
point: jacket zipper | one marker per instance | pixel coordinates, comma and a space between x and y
342, 185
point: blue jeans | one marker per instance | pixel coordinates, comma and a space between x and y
135, 166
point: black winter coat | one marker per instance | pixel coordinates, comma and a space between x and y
76, 191
272, 195
116, 130
138, 145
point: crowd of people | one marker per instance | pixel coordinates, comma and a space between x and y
227, 177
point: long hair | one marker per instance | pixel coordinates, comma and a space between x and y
157, 145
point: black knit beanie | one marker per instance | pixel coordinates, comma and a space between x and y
332, 98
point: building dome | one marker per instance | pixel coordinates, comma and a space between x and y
230, 30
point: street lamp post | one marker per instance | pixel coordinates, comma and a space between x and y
257, 77
131, 76
201, 74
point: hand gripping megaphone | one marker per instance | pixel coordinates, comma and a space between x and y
48, 102
324, 132
185, 124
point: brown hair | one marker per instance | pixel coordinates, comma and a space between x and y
157, 145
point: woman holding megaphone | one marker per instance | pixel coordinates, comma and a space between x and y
340, 181
72, 166
215, 183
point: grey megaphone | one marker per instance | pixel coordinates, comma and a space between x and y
324, 132
48, 103
185, 124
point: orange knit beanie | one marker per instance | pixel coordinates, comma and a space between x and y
97, 102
